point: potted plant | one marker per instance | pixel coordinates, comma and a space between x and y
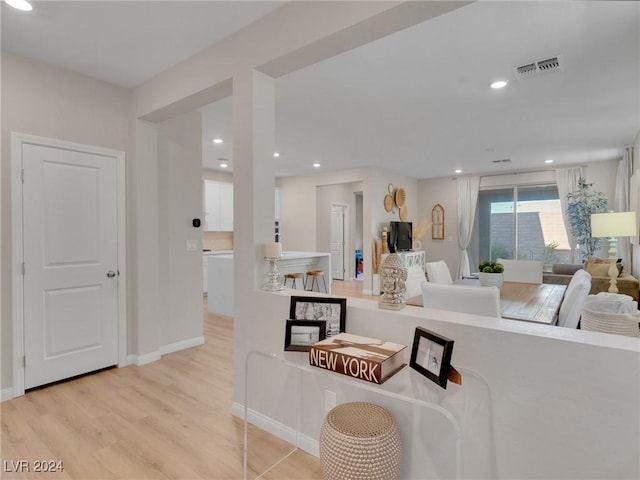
491, 273
580, 205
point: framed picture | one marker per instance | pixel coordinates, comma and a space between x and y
333, 310
431, 355
301, 334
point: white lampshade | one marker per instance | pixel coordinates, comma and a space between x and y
273, 250
614, 224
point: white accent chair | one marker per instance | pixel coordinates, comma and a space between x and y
462, 298
438, 272
415, 277
574, 298
522, 271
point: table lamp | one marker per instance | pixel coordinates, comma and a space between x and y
612, 225
272, 253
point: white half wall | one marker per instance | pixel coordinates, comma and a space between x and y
564, 402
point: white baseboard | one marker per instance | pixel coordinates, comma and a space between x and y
367, 292
147, 358
6, 394
182, 345
139, 360
284, 432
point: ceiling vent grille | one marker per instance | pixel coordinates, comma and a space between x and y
504, 160
530, 70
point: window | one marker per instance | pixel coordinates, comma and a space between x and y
521, 222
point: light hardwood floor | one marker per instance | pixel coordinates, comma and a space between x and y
167, 419
348, 288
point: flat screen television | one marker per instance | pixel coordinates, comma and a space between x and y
400, 237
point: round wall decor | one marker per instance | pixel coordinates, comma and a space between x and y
388, 203
401, 197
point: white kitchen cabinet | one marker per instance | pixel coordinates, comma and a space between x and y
218, 206
226, 207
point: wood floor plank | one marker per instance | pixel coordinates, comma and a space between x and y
169, 419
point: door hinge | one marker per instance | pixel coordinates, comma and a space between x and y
22, 175
23, 268
24, 361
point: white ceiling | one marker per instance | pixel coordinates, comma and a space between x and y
417, 102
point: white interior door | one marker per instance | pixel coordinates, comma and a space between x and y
337, 241
70, 244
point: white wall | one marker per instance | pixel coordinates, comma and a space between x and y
636, 167
180, 200
444, 191
299, 220
342, 193
373, 209
46, 101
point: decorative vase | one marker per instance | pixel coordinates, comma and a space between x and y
491, 279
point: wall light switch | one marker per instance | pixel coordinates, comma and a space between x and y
192, 245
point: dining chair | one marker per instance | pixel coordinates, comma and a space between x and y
462, 298
522, 271
438, 272
574, 298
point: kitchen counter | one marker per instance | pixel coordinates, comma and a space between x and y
220, 275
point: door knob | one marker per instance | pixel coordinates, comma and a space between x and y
111, 274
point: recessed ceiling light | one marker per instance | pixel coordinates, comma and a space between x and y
223, 162
276, 154
316, 165
20, 5
217, 140
458, 170
548, 160
499, 84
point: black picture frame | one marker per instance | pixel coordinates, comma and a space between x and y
431, 355
301, 334
332, 310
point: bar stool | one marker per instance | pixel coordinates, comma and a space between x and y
314, 274
292, 277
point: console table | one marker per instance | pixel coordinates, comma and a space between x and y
445, 433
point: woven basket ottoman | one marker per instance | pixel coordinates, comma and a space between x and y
360, 441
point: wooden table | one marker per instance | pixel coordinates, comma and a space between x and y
530, 302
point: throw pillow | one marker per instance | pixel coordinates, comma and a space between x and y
599, 267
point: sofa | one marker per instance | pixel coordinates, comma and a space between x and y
562, 273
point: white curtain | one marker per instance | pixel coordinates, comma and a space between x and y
621, 204
567, 181
468, 188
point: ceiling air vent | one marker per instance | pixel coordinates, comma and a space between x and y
534, 69
504, 160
